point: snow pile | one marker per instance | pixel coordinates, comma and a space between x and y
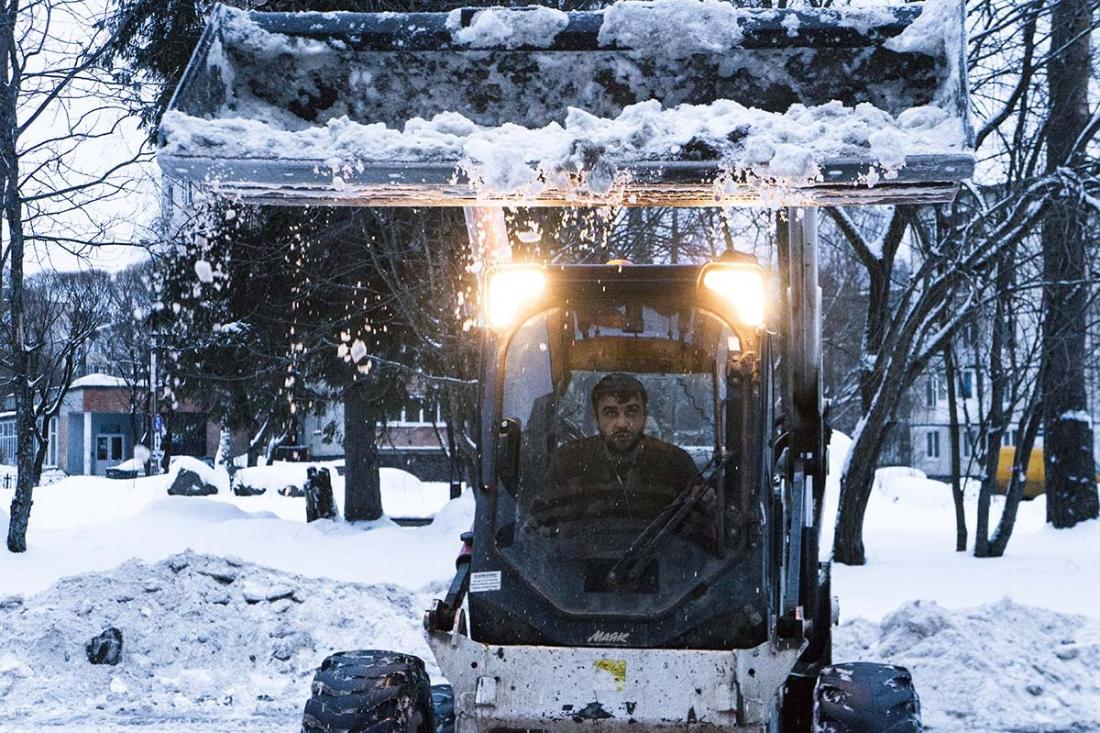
280, 475
996, 668
88, 523
507, 27
216, 477
213, 643
787, 147
216, 643
677, 28
132, 464
565, 122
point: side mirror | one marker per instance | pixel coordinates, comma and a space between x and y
508, 442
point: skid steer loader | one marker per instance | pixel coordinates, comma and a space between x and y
688, 590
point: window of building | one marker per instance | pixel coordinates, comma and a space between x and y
969, 443
51, 444
932, 444
416, 412
930, 391
108, 448
7, 441
966, 384
1011, 437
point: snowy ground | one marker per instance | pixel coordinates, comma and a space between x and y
226, 636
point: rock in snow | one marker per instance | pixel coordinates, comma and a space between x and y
105, 648
189, 483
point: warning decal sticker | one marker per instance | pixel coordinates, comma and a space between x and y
482, 582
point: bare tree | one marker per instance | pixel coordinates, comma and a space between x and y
1070, 471
54, 103
64, 311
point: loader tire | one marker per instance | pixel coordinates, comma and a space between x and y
443, 706
370, 691
862, 697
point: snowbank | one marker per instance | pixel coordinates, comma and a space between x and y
506, 28
279, 475
991, 669
216, 643
89, 523
209, 643
404, 496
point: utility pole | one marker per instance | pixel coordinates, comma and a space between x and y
156, 422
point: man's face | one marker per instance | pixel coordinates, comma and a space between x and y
620, 422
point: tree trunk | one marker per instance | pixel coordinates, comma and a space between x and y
949, 373
1068, 441
362, 495
856, 484
1029, 430
40, 451
19, 378
225, 447
997, 418
318, 489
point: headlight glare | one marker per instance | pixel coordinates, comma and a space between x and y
510, 289
742, 287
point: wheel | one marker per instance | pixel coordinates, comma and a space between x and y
443, 705
370, 692
862, 697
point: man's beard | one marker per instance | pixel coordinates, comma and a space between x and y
623, 441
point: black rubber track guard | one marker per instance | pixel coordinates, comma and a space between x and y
863, 697
370, 691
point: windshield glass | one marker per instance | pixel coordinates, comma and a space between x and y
619, 409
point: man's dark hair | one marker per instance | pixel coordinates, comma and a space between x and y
620, 386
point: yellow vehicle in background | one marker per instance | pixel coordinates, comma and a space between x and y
1036, 472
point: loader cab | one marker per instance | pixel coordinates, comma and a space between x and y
587, 536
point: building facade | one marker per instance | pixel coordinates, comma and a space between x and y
413, 439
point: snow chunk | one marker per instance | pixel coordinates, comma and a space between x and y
792, 24
1076, 416
677, 28
508, 27
358, 351
203, 271
928, 33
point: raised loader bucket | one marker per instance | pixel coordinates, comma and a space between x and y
670, 102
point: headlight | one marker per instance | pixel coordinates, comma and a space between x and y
742, 287
510, 289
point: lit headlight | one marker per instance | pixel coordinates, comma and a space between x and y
742, 287
510, 289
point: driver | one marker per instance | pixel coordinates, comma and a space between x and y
622, 472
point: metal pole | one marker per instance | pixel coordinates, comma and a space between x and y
157, 454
